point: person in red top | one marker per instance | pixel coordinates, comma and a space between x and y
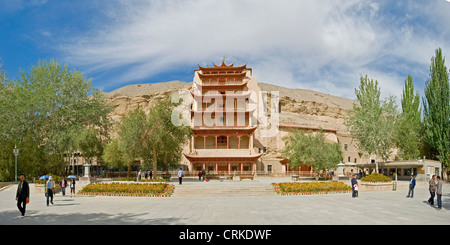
63, 185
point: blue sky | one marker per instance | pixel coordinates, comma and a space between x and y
319, 45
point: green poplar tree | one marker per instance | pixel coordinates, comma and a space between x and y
131, 137
436, 105
408, 134
371, 121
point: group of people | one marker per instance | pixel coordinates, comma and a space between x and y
147, 174
202, 174
23, 191
434, 187
50, 188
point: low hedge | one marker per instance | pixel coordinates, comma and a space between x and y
308, 188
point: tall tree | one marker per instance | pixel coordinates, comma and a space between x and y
90, 144
164, 140
371, 121
131, 137
31, 157
436, 105
408, 129
7, 168
311, 149
113, 156
152, 138
50, 101
52, 104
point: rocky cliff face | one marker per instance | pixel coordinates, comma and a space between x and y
308, 108
130, 97
299, 107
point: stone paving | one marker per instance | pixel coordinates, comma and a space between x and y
370, 208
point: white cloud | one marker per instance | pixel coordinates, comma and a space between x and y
321, 45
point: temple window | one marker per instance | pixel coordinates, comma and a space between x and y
222, 140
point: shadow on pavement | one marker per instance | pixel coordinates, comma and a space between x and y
33, 217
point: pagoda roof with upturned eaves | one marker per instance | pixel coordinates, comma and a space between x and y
222, 67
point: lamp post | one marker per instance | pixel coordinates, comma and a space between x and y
16, 152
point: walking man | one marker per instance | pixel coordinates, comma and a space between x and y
432, 189
412, 184
439, 192
203, 174
180, 176
22, 195
49, 190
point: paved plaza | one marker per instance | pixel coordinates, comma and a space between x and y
370, 208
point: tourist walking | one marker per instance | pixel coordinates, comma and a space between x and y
49, 190
63, 185
203, 174
22, 195
199, 175
432, 189
72, 187
354, 186
53, 186
439, 192
151, 174
180, 176
412, 184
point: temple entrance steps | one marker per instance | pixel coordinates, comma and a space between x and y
203, 189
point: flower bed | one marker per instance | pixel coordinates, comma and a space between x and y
128, 189
309, 188
376, 182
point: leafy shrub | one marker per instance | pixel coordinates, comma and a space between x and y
55, 177
152, 180
376, 177
310, 188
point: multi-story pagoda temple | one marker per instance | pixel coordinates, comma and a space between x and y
223, 120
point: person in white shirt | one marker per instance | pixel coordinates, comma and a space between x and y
180, 176
49, 186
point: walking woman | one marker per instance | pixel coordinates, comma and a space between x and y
72, 188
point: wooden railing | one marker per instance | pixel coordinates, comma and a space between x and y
194, 173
